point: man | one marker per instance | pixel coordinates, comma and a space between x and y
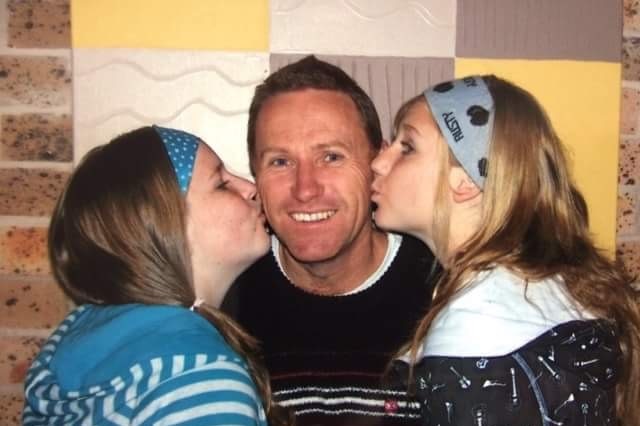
336, 297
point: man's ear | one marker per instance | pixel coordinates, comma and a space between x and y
462, 186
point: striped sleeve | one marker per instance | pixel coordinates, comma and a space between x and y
209, 392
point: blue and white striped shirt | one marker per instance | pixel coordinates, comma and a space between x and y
139, 365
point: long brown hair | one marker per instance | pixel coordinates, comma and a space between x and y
118, 236
534, 222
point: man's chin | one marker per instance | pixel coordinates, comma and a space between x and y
306, 254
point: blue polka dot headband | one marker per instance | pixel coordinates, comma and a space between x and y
464, 110
181, 147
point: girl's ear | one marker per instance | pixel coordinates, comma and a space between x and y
462, 186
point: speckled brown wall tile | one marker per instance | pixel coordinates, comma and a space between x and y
11, 408
631, 15
36, 137
630, 111
627, 223
629, 253
629, 162
631, 58
35, 80
17, 354
37, 23
31, 304
23, 251
30, 192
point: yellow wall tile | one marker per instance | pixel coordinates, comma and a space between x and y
187, 24
583, 103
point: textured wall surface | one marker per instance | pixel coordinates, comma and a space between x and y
628, 229
35, 158
204, 91
394, 48
364, 27
127, 64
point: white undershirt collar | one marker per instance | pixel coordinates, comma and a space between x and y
394, 241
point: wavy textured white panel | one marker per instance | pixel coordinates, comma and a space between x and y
364, 27
206, 93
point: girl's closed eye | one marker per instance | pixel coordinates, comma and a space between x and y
222, 184
407, 147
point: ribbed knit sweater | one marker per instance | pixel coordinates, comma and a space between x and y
326, 354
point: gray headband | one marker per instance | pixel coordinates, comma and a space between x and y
464, 111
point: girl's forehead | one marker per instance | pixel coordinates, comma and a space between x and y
207, 158
418, 117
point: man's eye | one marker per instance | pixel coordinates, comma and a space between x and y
332, 156
278, 162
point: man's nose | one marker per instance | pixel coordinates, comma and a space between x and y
306, 186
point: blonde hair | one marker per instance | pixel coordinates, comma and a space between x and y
534, 222
118, 236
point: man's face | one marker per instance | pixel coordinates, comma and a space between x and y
312, 168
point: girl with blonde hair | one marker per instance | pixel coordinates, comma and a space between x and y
531, 324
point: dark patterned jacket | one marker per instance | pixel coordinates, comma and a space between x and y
564, 376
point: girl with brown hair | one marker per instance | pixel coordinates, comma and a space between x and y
531, 324
146, 238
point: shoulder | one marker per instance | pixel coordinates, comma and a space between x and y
415, 251
253, 286
105, 340
412, 263
499, 303
184, 330
403, 275
263, 270
578, 360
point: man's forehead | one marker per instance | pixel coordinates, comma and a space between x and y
290, 145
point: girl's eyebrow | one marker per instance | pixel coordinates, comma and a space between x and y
409, 128
217, 170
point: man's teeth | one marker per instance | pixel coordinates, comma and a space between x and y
312, 217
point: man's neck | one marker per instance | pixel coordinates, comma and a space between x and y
341, 274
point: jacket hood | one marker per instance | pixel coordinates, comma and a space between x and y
99, 356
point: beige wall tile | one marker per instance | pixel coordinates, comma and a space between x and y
17, 354
23, 251
629, 162
38, 81
629, 253
36, 137
31, 304
631, 58
11, 408
627, 216
630, 112
37, 23
631, 15
30, 192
